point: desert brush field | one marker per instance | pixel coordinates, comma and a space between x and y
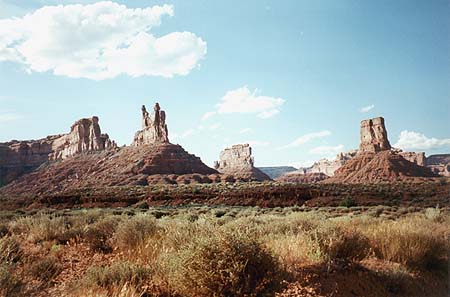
202, 250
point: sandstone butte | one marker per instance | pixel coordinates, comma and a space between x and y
373, 139
238, 162
20, 157
376, 161
86, 158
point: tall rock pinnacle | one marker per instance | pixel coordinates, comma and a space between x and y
154, 128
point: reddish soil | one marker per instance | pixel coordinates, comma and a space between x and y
269, 194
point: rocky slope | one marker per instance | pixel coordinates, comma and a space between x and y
20, 157
376, 161
238, 162
151, 159
146, 164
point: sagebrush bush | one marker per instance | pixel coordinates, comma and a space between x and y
46, 269
410, 243
133, 232
330, 243
99, 234
115, 276
10, 251
10, 285
41, 227
222, 264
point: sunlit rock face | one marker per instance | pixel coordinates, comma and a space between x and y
237, 161
154, 128
373, 136
20, 157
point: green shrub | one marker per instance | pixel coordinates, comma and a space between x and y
347, 202
222, 264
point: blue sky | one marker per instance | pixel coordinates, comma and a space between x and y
293, 78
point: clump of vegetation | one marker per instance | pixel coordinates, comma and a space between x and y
222, 264
10, 285
10, 251
42, 227
408, 242
99, 234
133, 232
115, 276
45, 269
347, 202
332, 244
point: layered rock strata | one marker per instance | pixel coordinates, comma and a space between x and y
373, 136
439, 164
20, 157
238, 161
377, 162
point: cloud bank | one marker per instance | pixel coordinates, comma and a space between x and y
410, 140
98, 41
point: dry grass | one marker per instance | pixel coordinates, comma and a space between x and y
415, 243
222, 264
204, 251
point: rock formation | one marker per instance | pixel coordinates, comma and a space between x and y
154, 128
152, 159
373, 136
439, 164
418, 158
377, 162
20, 157
238, 161
85, 136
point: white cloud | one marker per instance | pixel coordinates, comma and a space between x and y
367, 108
9, 117
245, 130
98, 41
214, 127
409, 140
208, 114
242, 100
306, 138
327, 151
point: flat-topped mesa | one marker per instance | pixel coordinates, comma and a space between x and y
373, 136
85, 135
154, 128
238, 156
